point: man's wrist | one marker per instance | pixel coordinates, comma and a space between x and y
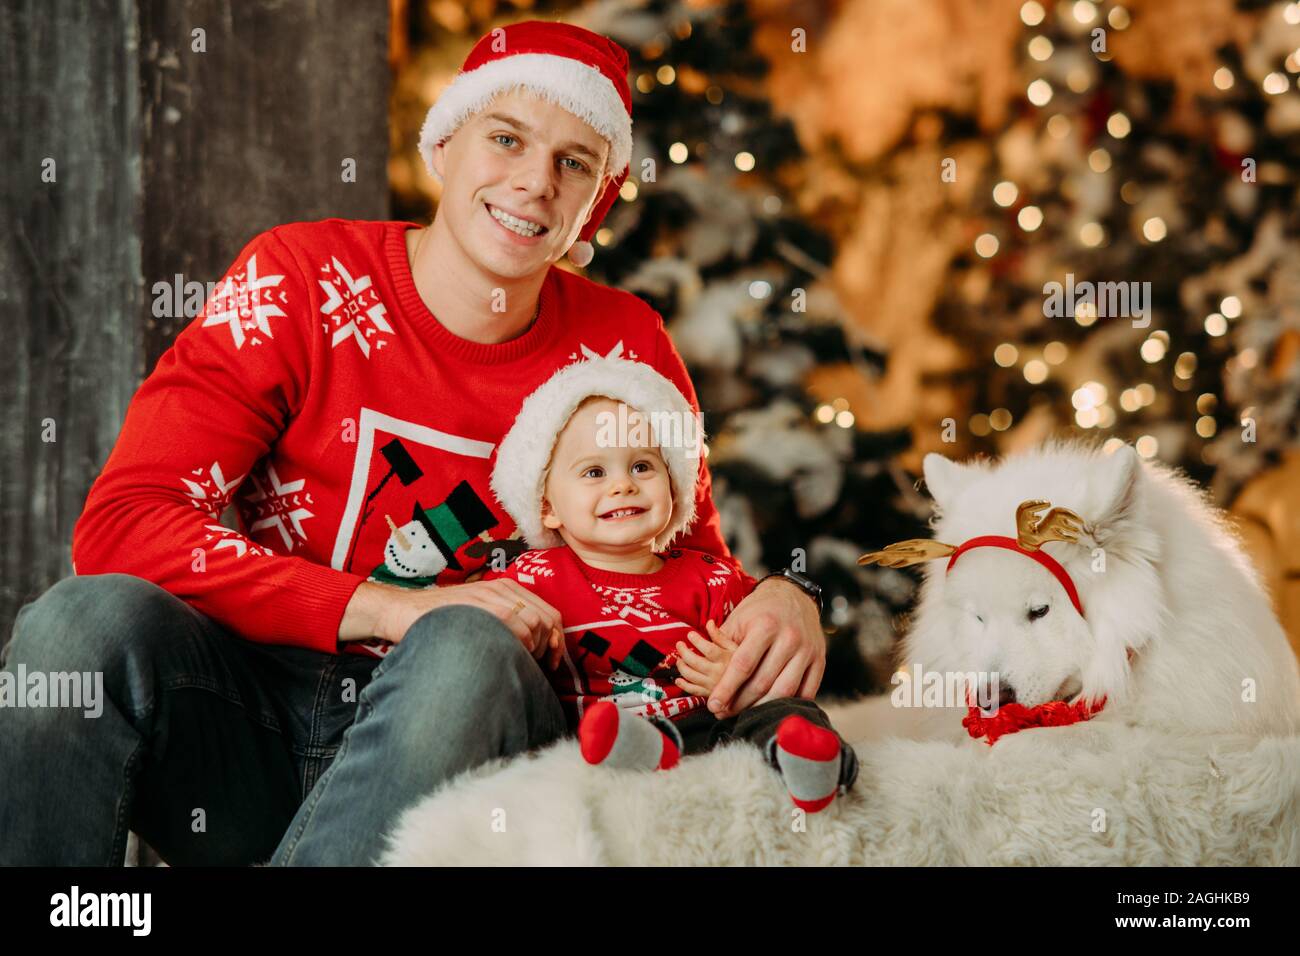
799, 582
363, 616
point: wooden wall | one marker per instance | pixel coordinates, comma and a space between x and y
167, 160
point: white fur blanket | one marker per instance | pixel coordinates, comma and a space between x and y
1092, 794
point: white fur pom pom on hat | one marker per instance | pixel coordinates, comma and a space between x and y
524, 455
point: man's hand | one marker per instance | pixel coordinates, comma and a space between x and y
387, 612
702, 668
782, 650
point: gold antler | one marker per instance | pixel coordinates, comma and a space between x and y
1059, 524
906, 553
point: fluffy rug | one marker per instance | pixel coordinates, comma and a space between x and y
1093, 794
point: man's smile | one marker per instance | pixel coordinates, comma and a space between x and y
516, 225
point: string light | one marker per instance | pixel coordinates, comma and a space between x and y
1006, 354
1035, 371
1206, 426
1230, 307
678, 152
1040, 48
987, 245
1223, 78
1032, 13
1005, 193
1147, 446
1215, 324
1099, 160
979, 425
1039, 92
744, 161
1119, 18
1118, 125
1154, 229
1000, 419
1276, 84
1091, 234
1084, 12
1058, 127
1153, 350
1055, 352
1030, 218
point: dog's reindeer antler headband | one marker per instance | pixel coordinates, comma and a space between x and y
1032, 532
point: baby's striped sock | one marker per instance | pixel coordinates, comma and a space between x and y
809, 759
615, 738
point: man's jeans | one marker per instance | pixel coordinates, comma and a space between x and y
219, 750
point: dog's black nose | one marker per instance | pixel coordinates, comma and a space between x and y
1006, 694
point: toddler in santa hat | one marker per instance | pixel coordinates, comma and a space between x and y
600, 473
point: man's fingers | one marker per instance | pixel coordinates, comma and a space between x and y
785, 685
556, 654
742, 664
812, 678
719, 635
764, 681
514, 592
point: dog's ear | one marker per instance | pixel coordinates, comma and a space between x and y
1116, 517
943, 477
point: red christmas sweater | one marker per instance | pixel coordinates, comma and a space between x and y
621, 630
353, 434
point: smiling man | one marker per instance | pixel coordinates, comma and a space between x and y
294, 685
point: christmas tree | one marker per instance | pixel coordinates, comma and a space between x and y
852, 216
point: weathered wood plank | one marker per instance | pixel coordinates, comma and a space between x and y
167, 160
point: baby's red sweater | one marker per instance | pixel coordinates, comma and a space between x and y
318, 394
621, 630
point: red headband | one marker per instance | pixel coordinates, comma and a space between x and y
1046, 560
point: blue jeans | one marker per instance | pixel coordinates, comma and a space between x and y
218, 750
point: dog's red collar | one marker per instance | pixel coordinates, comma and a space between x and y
1046, 560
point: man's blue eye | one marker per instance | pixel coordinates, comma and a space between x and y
501, 136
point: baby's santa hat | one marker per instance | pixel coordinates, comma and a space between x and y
576, 69
524, 455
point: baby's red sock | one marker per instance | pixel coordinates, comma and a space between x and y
613, 737
809, 758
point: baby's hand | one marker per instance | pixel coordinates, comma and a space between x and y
701, 668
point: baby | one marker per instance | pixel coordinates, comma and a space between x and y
600, 475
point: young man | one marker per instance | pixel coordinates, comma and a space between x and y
294, 687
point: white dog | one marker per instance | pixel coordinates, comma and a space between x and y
1175, 632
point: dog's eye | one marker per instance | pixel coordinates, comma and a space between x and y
1036, 612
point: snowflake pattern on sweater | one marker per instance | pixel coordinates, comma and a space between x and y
621, 630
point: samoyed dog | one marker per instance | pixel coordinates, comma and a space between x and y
1169, 623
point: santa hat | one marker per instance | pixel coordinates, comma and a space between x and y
577, 70
524, 455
